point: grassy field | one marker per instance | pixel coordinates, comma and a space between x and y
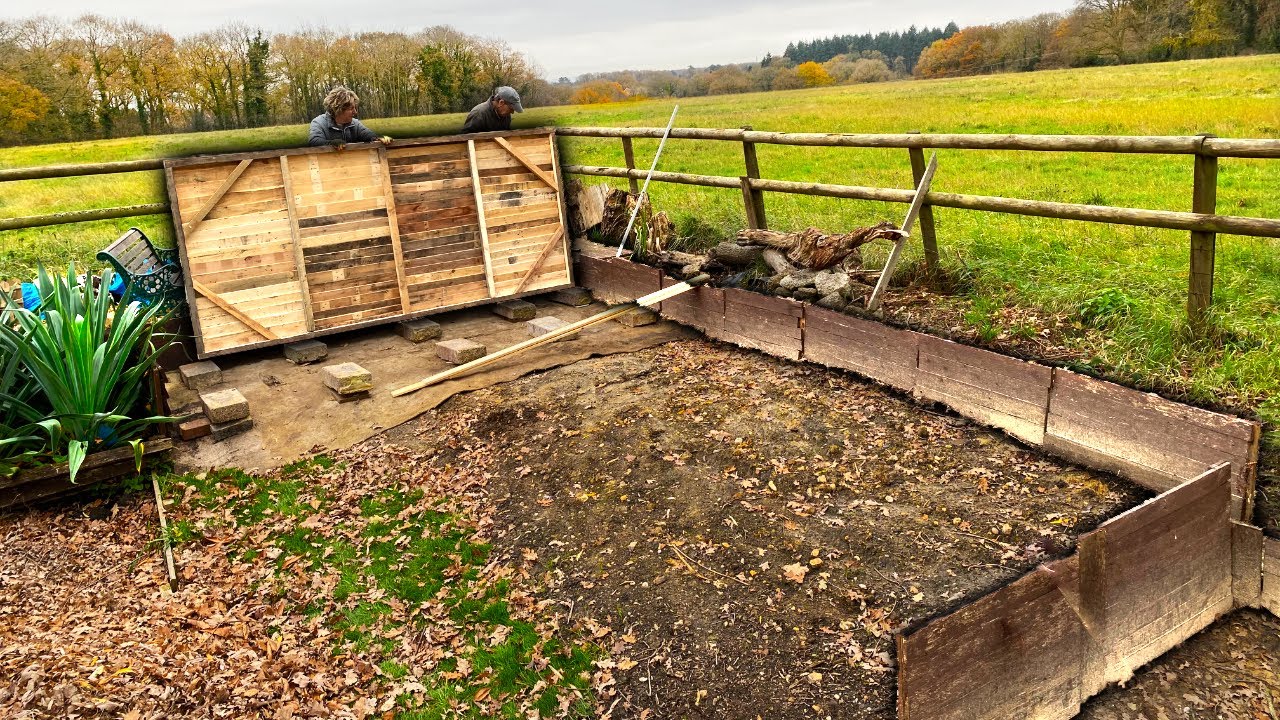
1049, 265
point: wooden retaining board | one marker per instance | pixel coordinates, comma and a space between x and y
1270, 595
701, 308
283, 245
993, 389
770, 324
1140, 584
52, 481
616, 280
1155, 442
875, 350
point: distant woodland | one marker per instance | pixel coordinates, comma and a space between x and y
97, 77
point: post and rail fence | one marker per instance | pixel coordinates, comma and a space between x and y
1203, 222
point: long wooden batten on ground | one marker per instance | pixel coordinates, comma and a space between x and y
283, 245
652, 298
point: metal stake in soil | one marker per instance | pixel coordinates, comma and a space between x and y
644, 191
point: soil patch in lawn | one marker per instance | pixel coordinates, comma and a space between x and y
744, 534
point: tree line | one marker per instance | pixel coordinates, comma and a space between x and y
907, 45
1108, 32
96, 77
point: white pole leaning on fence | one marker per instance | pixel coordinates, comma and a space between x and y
644, 191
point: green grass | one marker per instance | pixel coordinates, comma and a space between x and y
1057, 266
397, 554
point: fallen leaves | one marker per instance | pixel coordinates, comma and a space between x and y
795, 572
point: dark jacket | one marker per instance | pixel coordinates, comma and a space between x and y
483, 118
324, 131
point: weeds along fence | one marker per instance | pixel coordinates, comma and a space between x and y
1203, 222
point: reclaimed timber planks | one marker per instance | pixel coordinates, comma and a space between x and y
300, 242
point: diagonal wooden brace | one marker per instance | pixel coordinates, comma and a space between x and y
877, 295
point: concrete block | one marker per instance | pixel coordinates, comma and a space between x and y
541, 326
573, 297
347, 378
222, 431
637, 317
200, 375
460, 351
224, 406
307, 351
516, 310
416, 331
195, 428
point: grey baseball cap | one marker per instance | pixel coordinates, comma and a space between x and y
511, 97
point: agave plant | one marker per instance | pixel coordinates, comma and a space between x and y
89, 359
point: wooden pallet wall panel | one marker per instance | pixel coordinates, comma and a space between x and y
346, 235
527, 245
871, 349
367, 234
439, 225
1270, 596
994, 389
770, 324
241, 252
1155, 442
1140, 584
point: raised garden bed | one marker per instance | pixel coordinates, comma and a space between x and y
1141, 584
51, 481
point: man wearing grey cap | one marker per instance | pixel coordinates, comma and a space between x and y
494, 113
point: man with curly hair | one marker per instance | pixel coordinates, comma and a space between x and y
338, 125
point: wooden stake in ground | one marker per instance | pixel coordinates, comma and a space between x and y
877, 295
650, 299
164, 536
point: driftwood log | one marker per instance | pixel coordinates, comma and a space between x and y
655, 230
736, 255
812, 249
586, 205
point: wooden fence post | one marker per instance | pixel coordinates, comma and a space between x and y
753, 222
754, 199
927, 237
629, 154
1204, 200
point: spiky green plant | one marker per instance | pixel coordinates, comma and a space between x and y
89, 359
19, 440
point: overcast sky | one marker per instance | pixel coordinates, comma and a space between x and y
570, 38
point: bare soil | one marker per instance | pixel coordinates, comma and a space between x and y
744, 534
741, 535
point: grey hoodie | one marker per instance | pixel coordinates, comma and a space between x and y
324, 131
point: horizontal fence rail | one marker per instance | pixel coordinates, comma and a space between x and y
1157, 145
75, 216
59, 171
1166, 219
1203, 222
